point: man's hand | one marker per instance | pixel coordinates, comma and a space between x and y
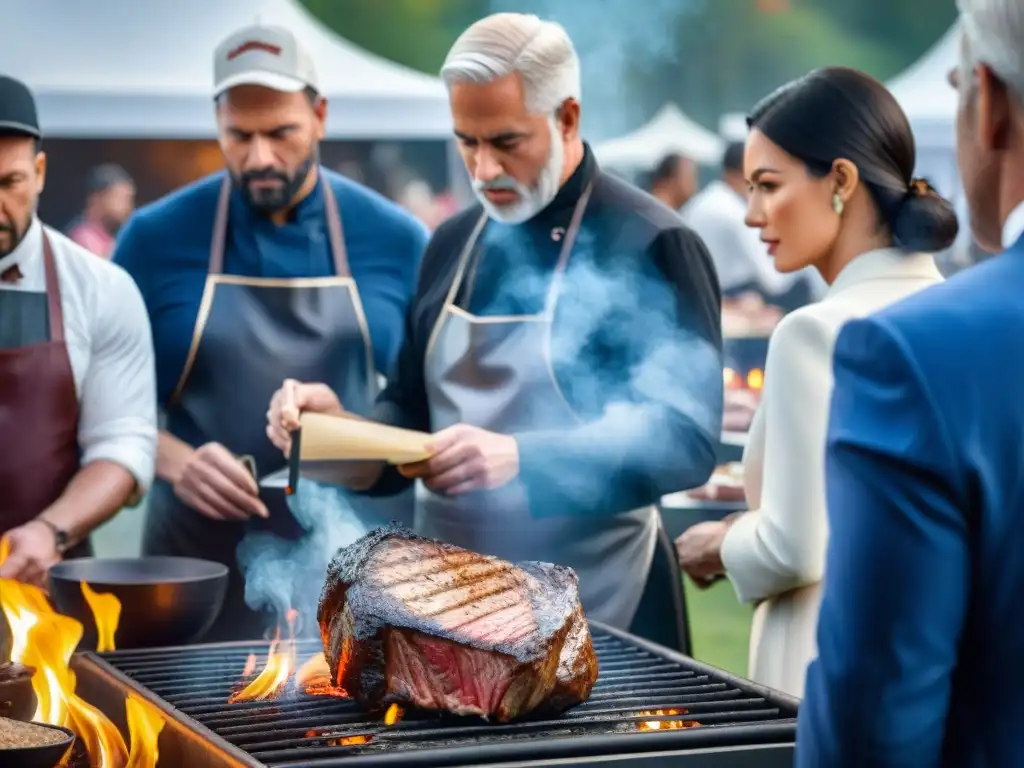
465, 459
699, 550
33, 549
218, 486
289, 402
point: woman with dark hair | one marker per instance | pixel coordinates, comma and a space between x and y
829, 160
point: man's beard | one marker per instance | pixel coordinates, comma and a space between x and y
267, 200
11, 236
531, 201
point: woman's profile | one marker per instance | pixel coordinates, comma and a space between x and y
829, 159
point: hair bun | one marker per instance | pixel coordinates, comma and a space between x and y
926, 221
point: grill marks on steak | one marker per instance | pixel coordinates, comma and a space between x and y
415, 621
463, 592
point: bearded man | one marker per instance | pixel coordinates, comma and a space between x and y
250, 273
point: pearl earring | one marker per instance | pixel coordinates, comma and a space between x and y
837, 204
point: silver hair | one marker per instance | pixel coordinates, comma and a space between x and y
993, 34
506, 43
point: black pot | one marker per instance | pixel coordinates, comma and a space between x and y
164, 600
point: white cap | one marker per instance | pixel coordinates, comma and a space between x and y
263, 55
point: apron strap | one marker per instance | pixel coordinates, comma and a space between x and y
560, 266
53, 304
335, 233
334, 229
220, 228
567, 244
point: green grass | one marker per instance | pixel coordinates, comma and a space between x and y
719, 626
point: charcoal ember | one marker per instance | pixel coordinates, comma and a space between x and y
413, 621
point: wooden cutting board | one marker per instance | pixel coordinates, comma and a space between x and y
351, 438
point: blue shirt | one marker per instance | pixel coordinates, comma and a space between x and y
166, 249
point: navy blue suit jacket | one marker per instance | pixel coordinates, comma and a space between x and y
921, 632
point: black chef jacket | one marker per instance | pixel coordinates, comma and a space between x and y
636, 338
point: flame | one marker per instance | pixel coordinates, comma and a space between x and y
393, 715
664, 725
107, 611
144, 724
314, 677
343, 741
755, 379
277, 671
44, 639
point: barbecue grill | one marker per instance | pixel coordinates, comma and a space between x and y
640, 714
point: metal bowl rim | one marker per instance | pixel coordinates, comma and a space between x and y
213, 571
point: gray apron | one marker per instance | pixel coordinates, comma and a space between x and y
496, 373
250, 334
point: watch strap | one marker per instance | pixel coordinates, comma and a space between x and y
60, 536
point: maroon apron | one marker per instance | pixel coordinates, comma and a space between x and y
39, 454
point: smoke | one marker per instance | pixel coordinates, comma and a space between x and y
282, 574
612, 358
611, 37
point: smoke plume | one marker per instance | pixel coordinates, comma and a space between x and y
281, 574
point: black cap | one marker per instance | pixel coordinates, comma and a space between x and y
18, 109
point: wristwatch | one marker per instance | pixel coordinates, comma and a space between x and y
60, 536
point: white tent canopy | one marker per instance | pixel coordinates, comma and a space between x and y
670, 130
144, 69
924, 92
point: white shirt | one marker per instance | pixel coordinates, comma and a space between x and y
110, 347
1013, 227
717, 214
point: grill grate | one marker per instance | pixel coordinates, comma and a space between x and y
298, 729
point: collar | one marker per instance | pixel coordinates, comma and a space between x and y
310, 208
884, 264
572, 190
1013, 227
30, 247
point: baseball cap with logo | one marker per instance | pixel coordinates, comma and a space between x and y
263, 55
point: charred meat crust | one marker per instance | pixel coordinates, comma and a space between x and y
394, 600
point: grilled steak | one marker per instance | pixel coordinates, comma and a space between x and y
410, 620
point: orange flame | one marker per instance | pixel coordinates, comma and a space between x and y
664, 725
44, 639
106, 609
277, 671
344, 741
313, 677
393, 715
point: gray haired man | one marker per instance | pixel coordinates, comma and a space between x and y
563, 344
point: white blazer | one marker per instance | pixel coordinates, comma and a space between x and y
775, 554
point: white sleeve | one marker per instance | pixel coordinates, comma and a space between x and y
781, 546
117, 420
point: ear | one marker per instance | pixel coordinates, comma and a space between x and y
992, 102
569, 119
40, 171
846, 178
320, 111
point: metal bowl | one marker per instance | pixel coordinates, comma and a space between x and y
47, 756
164, 600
